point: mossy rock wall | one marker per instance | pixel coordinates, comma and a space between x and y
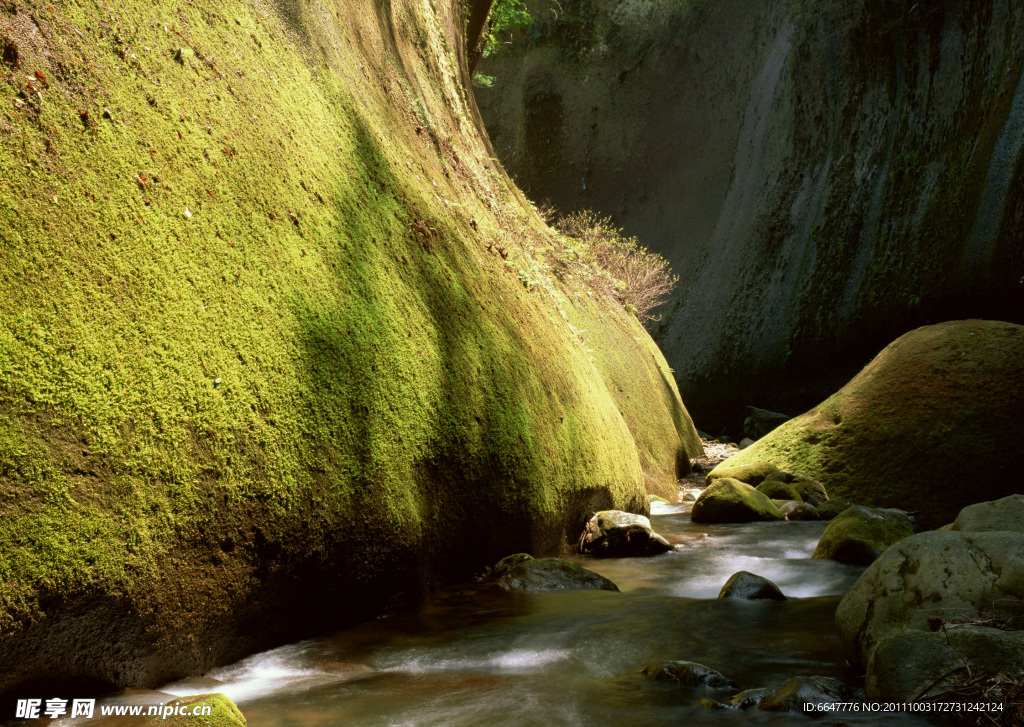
262, 368
930, 425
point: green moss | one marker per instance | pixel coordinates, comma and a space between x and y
249, 313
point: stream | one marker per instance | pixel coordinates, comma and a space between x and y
472, 657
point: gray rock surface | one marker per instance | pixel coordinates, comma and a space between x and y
552, 574
1006, 513
751, 587
945, 575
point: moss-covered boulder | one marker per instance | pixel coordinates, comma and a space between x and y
900, 432
833, 507
931, 578
1003, 514
617, 534
810, 490
732, 501
509, 562
689, 674
777, 490
858, 535
280, 345
753, 473
540, 575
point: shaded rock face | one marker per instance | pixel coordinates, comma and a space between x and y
899, 433
832, 174
1004, 514
731, 501
751, 587
934, 575
910, 665
540, 575
858, 535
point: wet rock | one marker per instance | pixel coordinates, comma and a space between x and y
689, 674
907, 666
833, 507
751, 587
656, 498
746, 442
1004, 514
798, 511
790, 696
690, 495
777, 490
509, 562
539, 575
933, 575
732, 501
903, 428
760, 422
858, 535
616, 534
752, 474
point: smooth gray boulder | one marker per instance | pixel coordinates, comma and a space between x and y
907, 666
731, 501
690, 674
552, 574
859, 534
615, 534
751, 587
945, 575
1006, 513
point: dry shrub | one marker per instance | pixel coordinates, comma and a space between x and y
639, 278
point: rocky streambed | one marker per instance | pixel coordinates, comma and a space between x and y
487, 655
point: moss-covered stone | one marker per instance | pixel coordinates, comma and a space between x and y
753, 473
833, 507
223, 712
899, 432
731, 501
777, 490
540, 575
793, 510
812, 491
858, 535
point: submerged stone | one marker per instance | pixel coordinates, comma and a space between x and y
539, 575
690, 674
790, 696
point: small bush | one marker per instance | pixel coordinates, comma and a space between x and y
639, 278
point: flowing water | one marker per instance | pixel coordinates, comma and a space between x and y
570, 658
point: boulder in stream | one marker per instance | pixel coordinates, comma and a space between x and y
539, 575
752, 474
690, 674
907, 666
832, 507
793, 510
731, 501
509, 562
751, 587
790, 696
858, 535
778, 490
614, 533
932, 578
812, 491
902, 430
1003, 514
